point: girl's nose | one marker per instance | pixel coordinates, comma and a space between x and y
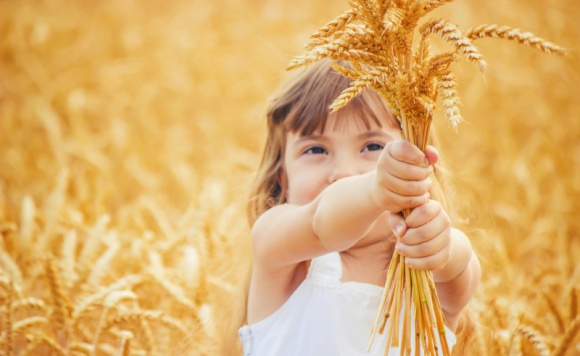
343, 170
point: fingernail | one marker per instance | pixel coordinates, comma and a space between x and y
429, 182
426, 161
399, 229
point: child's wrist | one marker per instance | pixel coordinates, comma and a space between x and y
459, 258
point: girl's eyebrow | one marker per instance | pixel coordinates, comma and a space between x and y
362, 136
375, 133
314, 137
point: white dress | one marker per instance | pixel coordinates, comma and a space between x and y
323, 316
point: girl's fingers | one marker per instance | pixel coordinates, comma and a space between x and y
395, 203
397, 224
405, 188
426, 245
434, 262
425, 249
404, 151
432, 154
431, 230
398, 162
430, 255
423, 214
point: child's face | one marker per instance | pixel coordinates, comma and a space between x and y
345, 148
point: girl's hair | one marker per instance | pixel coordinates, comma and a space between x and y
303, 107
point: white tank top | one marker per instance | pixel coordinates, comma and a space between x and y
323, 316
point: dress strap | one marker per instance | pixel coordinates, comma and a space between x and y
326, 266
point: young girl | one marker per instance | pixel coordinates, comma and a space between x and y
326, 223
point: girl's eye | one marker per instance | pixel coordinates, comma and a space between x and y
315, 150
373, 147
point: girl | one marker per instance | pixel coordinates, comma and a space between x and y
325, 224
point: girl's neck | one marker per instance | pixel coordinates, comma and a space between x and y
367, 263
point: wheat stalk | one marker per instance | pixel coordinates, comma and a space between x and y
555, 310
410, 80
568, 337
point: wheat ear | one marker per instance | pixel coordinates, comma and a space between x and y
7, 324
153, 316
40, 338
532, 336
335, 25
63, 306
433, 4
450, 33
126, 282
23, 325
515, 34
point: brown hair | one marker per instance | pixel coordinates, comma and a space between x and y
303, 107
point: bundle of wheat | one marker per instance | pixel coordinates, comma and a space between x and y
381, 49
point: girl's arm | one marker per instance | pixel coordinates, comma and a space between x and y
343, 212
340, 216
457, 281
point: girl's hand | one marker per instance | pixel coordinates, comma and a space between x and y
424, 238
402, 176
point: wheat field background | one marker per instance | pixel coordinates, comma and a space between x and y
129, 131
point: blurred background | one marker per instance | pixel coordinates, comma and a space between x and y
129, 131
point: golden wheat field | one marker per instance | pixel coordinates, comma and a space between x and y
129, 131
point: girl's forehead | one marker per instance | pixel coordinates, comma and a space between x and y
369, 119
